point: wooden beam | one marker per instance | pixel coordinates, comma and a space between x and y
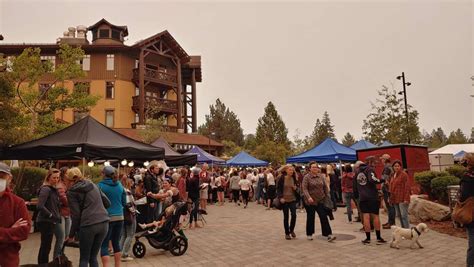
158, 53
179, 99
194, 106
156, 48
141, 86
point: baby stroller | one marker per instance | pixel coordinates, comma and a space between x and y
168, 237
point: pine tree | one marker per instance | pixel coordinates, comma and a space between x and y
348, 140
322, 129
457, 137
272, 128
438, 138
223, 123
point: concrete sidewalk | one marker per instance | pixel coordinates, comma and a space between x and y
234, 236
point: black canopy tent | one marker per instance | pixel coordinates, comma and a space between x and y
86, 139
172, 157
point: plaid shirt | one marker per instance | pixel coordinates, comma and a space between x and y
400, 189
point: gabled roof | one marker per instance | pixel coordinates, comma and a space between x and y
169, 40
174, 138
328, 151
104, 21
362, 144
161, 142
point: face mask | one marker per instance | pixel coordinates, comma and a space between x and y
3, 185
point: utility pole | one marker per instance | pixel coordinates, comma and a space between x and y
405, 84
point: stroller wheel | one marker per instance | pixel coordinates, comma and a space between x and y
139, 249
178, 245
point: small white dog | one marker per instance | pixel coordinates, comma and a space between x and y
412, 234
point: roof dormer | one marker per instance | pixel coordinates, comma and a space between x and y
104, 32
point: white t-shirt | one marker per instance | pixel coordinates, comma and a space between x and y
270, 179
244, 184
219, 180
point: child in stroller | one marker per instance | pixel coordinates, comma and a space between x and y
167, 233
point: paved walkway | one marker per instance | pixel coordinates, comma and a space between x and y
254, 236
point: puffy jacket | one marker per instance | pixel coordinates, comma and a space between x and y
48, 205
86, 205
467, 188
116, 194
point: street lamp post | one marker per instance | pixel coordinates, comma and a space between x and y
405, 84
209, 137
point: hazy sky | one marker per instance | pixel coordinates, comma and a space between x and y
306, 57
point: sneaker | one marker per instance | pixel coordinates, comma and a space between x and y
293, 234
287, 237
381, 241
127, 258
366, 241
386, 226
331, 238
309, 237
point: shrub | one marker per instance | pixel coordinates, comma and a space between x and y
424, 179
93, 173
439, 186
28, 184
456, 170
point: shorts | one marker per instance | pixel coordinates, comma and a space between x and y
203, 194
271, 192
220, 189
371, 206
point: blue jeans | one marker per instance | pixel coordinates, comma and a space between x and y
470, 249
390, 208
114, 234
128, 233
402, 213
90, 241
60, 231
347, 200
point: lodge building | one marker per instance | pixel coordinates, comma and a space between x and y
153, 77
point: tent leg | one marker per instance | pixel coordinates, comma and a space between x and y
83, 166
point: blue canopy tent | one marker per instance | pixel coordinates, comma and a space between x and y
204, 157
328, 151
386, 143
244, 159
362, 144
458, 156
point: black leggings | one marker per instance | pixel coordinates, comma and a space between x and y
235, 195
90, 241
323, 218
245, 196
287, 208
195, 210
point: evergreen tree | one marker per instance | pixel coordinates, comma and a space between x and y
223, 123
250, 142
348, 140
457, 137
272, 128
438, 138
387, 121
322, 130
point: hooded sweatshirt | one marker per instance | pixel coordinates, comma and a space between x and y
366, 182
85, 204
117, 196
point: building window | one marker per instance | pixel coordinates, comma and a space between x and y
109, 118
86, 63
137, 118
136, 63
9, 64
78, 115
82, 87
116, 35
94, 35
110, 61
50, 59
137, 91
163, 68
104, 33
109, 90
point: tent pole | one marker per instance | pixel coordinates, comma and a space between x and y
83, 166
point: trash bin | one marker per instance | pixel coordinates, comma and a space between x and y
453, 196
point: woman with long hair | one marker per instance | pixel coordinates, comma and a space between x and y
48, 215
90, 219
286, 193
270, 187
61, 230
347, 189
467, 191
245, 185
331, 174
220, 183
193, 195
400, 190
130, 221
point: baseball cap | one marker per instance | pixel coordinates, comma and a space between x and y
5, 168
385, 156
108, 170
358, 163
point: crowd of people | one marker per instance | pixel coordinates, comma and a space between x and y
105, 217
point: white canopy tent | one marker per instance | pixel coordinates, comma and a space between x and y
453, 149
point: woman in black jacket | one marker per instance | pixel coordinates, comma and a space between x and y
48, 215
286, 193
467, 191
193, 195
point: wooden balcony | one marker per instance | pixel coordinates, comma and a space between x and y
165, 128
161, 76
163, 105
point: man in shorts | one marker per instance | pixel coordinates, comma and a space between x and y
368, 197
